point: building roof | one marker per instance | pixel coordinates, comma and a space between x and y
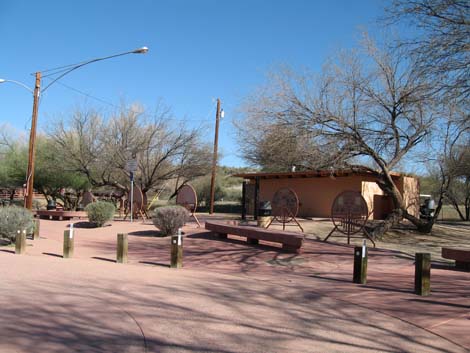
315, 174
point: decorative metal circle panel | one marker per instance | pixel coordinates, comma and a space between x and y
87, 198
138, 199
187, 197
349, 212
285, 205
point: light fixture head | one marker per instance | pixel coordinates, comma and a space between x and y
142, 50
222, 113
2, 80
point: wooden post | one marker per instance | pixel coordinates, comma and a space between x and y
360, 264
68, 244
36, 226
32, 145
121, 256
177, 250
244, 200
423, 274
20, 244
214, 158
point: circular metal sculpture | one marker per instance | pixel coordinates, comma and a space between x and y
285, 205
349, 212
87, 198
187, 198
138, 203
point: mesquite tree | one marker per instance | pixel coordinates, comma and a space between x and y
371, 105
99, 147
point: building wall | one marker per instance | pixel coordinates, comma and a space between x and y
316, 195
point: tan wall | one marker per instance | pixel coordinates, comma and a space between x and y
316, 195
411, 195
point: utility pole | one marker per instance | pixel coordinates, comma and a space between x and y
32, 145
214, 158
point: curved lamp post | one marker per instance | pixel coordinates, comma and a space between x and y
36, 92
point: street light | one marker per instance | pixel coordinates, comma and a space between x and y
61, 71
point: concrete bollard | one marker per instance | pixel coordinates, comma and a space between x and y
177, 250
68, 244
122, 245
20, 243
360, 264
36, 226
423, 274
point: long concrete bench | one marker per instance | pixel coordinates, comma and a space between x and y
461, 257
60, 215
291, 242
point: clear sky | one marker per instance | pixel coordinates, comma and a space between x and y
199, 50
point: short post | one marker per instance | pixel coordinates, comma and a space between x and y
423, 274
68, 244
360, 264
177, 250
36, 226
121, 256
20, 244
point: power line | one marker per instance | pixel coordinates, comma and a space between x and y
206, 119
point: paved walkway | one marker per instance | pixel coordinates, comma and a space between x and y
230, 297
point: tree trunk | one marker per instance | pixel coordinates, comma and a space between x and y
393, 218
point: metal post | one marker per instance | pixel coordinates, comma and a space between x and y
32, 146
214, 157
132, 196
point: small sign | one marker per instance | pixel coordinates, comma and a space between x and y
179, 236
131, 165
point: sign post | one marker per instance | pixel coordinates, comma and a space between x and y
131, 167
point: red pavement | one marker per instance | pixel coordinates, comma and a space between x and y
229, 297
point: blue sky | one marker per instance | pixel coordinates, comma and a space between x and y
199, 50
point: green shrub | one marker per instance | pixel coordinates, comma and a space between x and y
169, 218
12, 219
100, 212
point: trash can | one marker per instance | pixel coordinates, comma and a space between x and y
51, 205
264, 214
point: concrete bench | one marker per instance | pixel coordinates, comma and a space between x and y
291, 242
60, 215
461, 257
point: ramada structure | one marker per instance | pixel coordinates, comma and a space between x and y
317, 190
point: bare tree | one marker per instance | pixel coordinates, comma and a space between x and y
270, 143
442, 43
373, 105
99, 148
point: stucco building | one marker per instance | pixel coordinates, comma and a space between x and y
317, 190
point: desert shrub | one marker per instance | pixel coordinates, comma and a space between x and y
12, 219
169, 218
100, 212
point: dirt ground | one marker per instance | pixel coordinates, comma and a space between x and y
452, 234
